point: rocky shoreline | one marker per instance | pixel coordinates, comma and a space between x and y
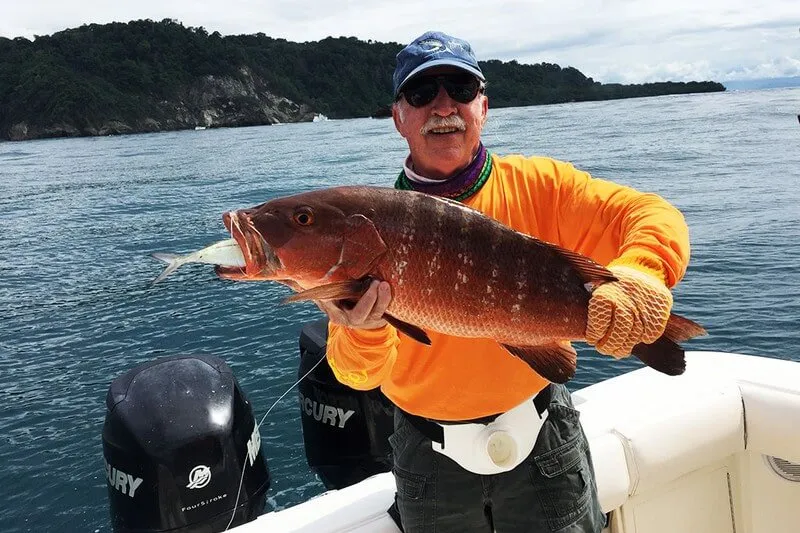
210, 102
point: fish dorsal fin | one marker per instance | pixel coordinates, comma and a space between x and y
362, 247
589, 270
556, 362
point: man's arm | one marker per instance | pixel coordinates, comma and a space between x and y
642, 239
652, 255
362, 347
630, 228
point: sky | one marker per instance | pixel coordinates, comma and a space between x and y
624, 41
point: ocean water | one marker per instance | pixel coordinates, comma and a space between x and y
80, 218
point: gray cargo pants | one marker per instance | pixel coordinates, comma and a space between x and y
553, 490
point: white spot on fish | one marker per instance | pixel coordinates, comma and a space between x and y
400, 267
330, 272
515, 308
434, 265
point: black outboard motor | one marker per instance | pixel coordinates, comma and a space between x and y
177, 434
345, 431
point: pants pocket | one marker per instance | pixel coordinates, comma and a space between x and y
416, 501
561, 472
410, 486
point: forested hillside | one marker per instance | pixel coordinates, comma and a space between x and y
150, 76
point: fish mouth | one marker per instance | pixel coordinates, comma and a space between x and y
261, 263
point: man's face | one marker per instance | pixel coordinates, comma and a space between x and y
443, 135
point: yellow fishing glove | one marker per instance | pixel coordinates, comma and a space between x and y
623, 313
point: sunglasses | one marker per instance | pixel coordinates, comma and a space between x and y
421, 91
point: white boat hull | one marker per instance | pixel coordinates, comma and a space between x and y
681, 454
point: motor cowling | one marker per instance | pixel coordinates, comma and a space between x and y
345, 431
178, 433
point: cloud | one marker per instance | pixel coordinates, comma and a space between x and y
782, 67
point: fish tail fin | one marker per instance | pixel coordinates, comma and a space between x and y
173, 262
681, 329
665, 355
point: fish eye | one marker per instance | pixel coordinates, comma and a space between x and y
303, 217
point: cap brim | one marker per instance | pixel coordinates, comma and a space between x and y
448, 62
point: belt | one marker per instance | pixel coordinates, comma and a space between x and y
435, 432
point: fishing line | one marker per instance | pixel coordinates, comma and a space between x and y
258, 428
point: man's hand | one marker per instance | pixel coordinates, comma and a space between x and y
623, 313
367, 313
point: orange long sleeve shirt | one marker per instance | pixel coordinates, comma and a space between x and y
465, 378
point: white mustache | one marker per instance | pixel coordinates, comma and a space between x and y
450, 121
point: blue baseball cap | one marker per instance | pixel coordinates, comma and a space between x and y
433, 49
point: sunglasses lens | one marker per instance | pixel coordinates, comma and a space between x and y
422, 92
462, 88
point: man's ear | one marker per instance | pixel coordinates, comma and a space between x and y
398, 121
485, 107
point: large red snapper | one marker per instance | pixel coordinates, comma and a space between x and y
451, 269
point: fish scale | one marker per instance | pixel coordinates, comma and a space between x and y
462, 311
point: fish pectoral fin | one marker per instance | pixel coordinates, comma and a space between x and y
416, 333
362, 246
351, 289
555, 362
348, 292
291, 284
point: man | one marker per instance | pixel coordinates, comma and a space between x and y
481, 441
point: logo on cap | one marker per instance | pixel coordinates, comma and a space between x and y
433, 45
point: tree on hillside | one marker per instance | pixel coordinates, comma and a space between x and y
124, 71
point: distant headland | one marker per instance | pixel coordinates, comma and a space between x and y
145, 76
